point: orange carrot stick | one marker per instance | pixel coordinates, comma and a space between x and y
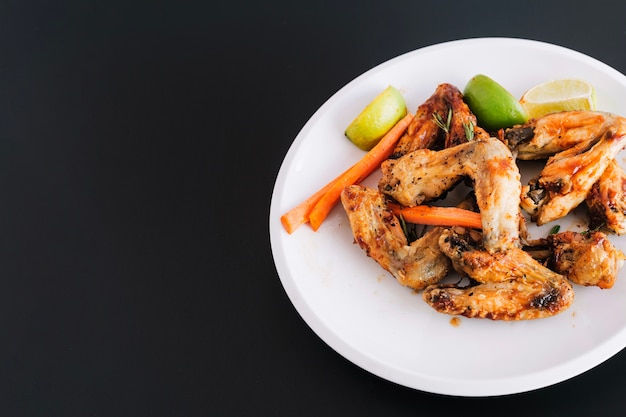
359, 171
438, 216
300, 214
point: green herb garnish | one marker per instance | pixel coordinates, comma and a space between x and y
445, 126
469, 131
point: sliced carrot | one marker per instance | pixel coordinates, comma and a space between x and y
438, 216
301, 214
359, 171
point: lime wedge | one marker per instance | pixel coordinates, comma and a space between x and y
559, 95
493, 105
377, 118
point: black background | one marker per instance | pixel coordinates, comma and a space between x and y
139, 144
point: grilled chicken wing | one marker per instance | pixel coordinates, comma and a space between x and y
425, 132
462, 120
568, 176
511, 284
378, 231
470, 259
424, 175
517, 299
545, 136
586, 259
607, 200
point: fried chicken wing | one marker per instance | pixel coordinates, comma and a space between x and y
545, 136
588, 259
517, 299
424, 175
470, 259
568, 176
425, 132
607, 200
379, 233
511, 284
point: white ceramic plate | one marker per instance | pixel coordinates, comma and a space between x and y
364, 314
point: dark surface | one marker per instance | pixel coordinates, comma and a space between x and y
139, 144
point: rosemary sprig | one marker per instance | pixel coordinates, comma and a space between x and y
445, 126
469, 130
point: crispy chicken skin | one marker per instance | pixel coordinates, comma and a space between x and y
470, 259
424, 175
517, 299
511, 284
606, 200
379, 233
545, 136
586, 259
425, 133
568, 176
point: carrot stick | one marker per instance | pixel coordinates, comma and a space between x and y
300, 214
438, 216
359, 171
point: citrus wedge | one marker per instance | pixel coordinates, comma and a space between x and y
377, 118
493, 105
559, 95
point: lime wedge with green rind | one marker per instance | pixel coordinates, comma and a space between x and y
492, 104
377, 118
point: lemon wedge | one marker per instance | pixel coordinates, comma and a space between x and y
559, 95
377, 118
492, 104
